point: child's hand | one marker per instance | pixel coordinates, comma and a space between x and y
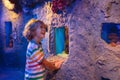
55, 65
52, 66
58, 64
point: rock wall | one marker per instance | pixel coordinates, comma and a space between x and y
90, 57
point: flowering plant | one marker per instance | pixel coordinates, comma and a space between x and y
59, 5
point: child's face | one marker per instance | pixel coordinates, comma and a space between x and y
40, 32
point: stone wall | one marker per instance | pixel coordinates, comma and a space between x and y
90, 57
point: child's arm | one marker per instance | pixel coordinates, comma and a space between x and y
38, 56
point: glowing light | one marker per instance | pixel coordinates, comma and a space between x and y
8, 4
13, 15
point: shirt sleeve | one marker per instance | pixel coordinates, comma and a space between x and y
35, 53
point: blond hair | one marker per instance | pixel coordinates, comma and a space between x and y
31, 26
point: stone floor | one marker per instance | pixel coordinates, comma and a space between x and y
11, 74
16, 74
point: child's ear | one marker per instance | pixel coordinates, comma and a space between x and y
33, 33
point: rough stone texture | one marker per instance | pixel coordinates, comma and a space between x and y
90, 58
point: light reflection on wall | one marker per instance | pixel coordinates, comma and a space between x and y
8, 4
13, 16
10, 15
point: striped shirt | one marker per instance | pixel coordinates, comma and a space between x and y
34, 69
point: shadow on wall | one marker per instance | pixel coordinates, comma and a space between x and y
102, 78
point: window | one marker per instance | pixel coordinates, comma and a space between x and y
58, 44
8, 30
61, 40
111, 33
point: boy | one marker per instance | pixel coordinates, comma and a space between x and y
34, 32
